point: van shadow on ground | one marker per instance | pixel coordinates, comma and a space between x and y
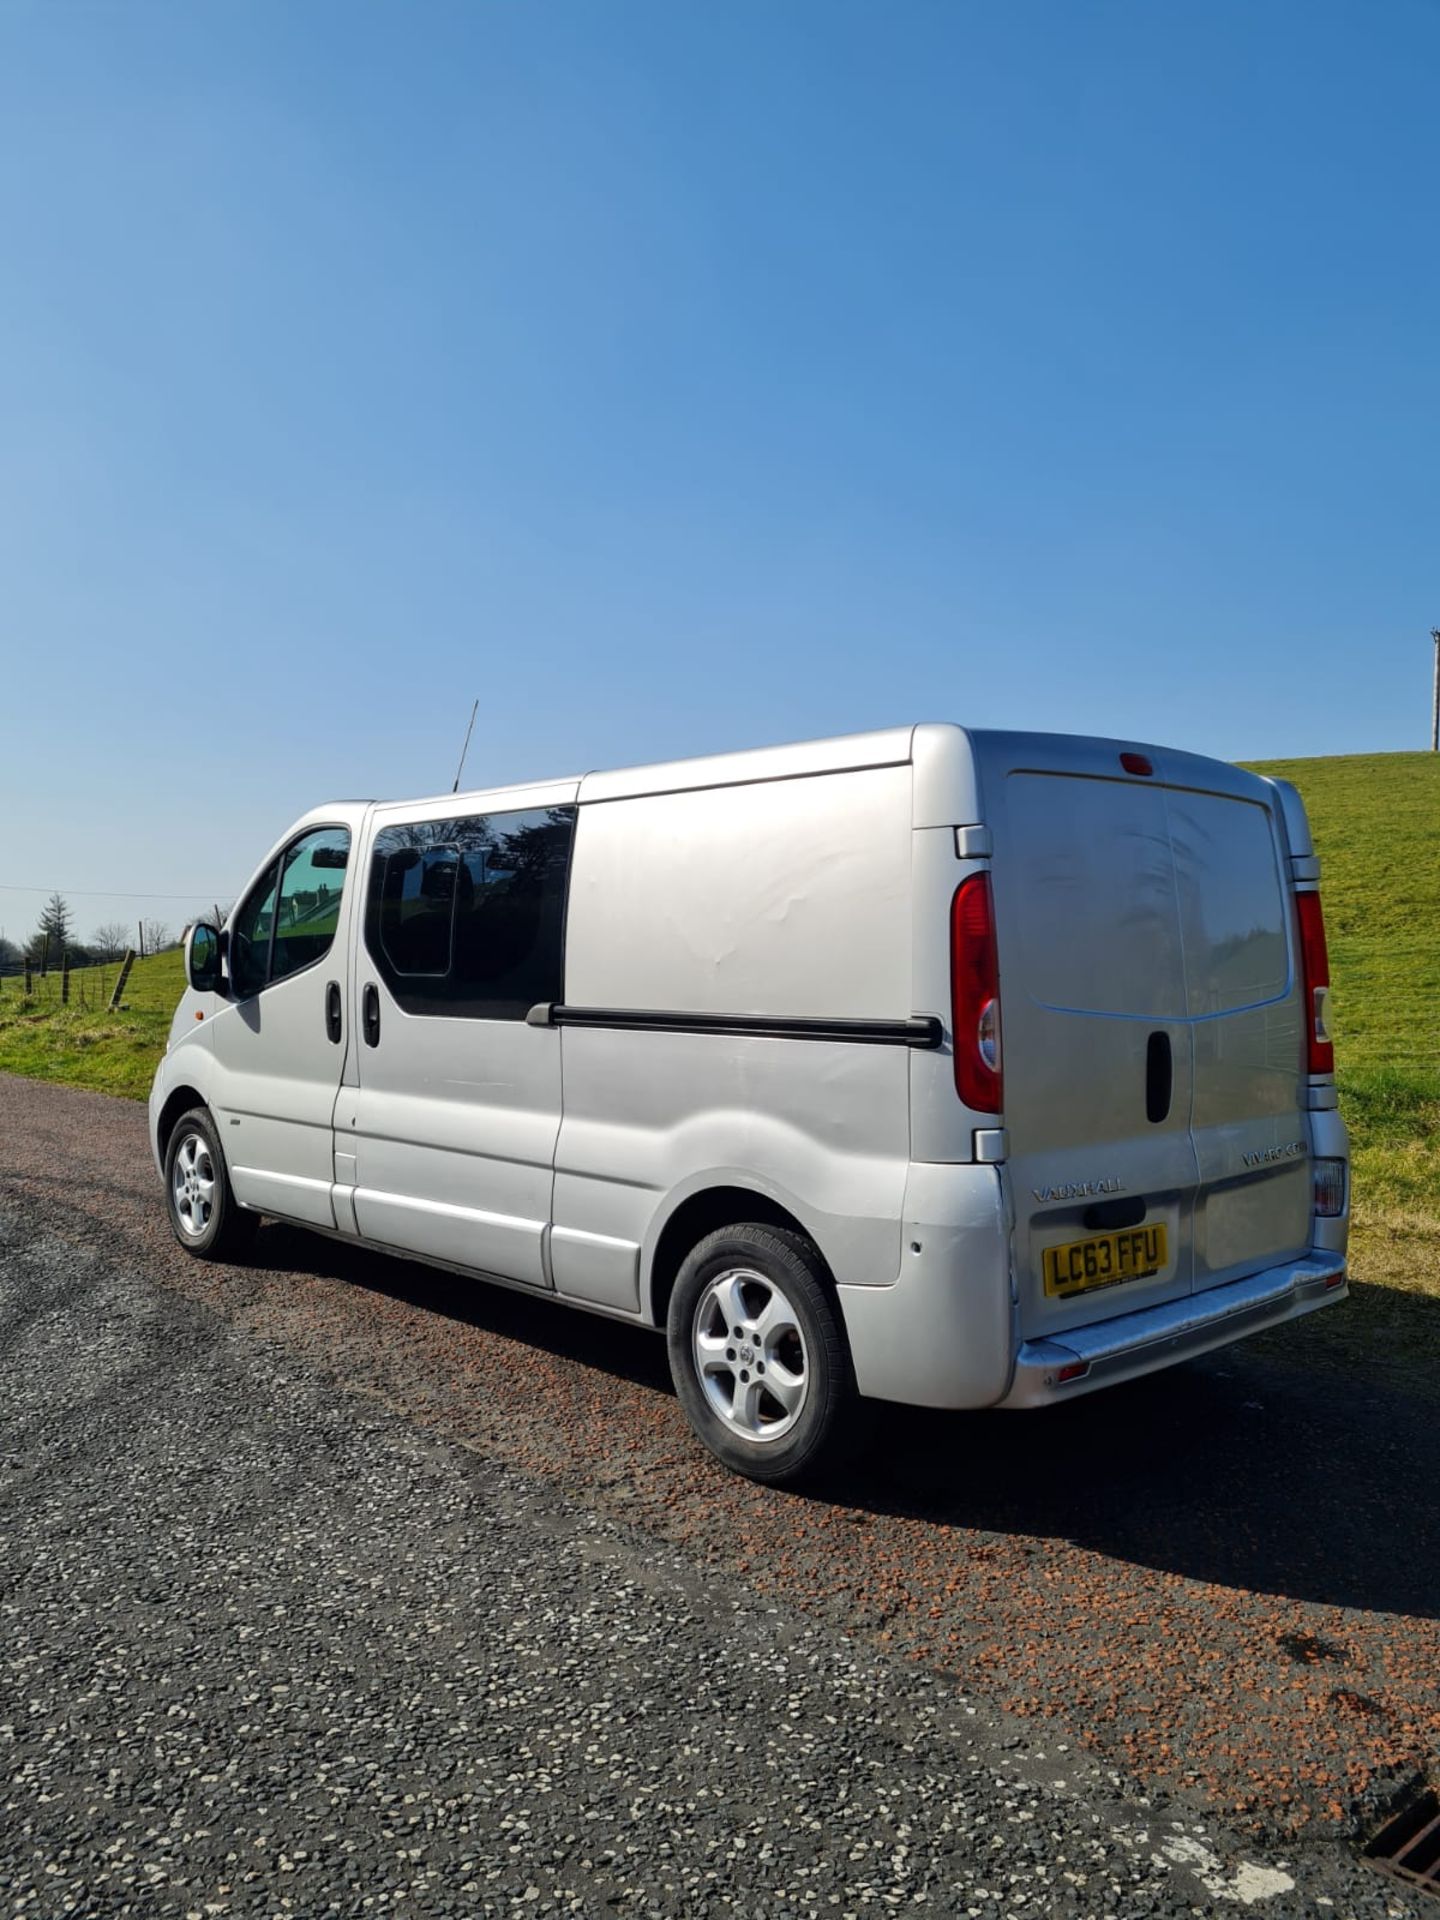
1249, 1468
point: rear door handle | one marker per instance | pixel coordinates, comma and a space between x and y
370, 1014
1159, 1078
332, 1010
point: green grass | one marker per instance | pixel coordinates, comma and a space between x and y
84, 1044
1376, 821
1376, 818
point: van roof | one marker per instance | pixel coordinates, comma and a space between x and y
933, 743
887, 747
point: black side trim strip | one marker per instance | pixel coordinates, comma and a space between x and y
921, 1030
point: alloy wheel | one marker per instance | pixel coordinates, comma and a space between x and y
750, 1356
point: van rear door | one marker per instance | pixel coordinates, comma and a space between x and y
1245, 1000
1152, 1025
1097, 1053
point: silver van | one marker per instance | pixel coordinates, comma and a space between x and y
959, 1068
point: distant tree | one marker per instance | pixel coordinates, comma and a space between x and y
56, 921
10, 956
54, 934
155, 935
110, 940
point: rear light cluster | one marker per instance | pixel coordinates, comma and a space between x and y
1329, 1188
975, 996
1315, 962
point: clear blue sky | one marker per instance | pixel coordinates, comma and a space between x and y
685, 376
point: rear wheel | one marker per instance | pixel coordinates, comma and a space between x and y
758, 1354
198, 1196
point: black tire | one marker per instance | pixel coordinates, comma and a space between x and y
810, 1344
216, 1228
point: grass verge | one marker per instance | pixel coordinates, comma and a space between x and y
84, 1044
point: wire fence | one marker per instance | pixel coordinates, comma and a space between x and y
93, 986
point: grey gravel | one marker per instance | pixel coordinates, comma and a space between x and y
267, 1649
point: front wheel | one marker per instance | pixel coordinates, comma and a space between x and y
758, 1354
198, 1196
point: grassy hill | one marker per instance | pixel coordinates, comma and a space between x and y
1376, 820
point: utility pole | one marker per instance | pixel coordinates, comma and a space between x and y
1435, 703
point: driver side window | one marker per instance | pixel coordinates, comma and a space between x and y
287, 921
250, 936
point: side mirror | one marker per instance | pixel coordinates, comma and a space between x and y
202, 957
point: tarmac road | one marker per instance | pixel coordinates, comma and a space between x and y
508, 1641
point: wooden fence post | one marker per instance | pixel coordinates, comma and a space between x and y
29, 986
125, 966
64, 976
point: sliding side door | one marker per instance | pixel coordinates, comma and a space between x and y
453, 1122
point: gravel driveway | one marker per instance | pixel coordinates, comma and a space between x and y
270, 1646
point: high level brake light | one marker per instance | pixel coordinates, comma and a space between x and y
975, 996
1315, 964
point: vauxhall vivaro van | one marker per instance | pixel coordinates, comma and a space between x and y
959, 1068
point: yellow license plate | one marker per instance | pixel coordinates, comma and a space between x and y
1104, 1261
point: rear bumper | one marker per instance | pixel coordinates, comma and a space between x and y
1136, 1343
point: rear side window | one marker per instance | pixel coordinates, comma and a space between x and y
417, 905
287, 920
465, 917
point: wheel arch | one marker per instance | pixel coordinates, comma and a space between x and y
179, 1100
704, 1211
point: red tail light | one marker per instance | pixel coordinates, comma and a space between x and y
1315, 964
975, 996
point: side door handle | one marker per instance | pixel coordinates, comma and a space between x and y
332, 1010
370, 1014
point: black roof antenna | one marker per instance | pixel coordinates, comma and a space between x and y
466, 748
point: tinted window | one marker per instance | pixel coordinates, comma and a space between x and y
272, 936
250, 935
310, 884
417, 899
466, 916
